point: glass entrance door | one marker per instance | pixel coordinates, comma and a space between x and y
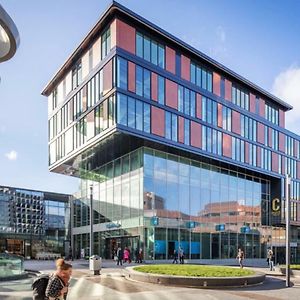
112, 244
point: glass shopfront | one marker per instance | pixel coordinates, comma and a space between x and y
163, 202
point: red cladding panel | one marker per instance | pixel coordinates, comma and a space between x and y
154, 86
298, 169
181, 130
170, 60
227, 144
258, 156
216, 84
246, 152
261, 133
171, 94
262, 107
296, 146
270, 137
157, 121
228, 90
185, 67
196, 134
252, 103
125, 36
107, 77
281, 118
275, 162
236, 122
220, 115
199, 106
131, 77
281, 142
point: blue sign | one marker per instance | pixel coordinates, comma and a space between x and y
245, 229
113, 225
220, 227
154, 221
191, 224
160, 247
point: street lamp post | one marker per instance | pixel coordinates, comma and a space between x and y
287, 230
91, 221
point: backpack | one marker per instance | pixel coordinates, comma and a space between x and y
39, 286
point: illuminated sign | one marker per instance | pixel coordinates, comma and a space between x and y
276, 207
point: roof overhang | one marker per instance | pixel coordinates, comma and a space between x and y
117, 7
9, 36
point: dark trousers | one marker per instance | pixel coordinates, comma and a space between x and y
175, 260
119, 261
181, 259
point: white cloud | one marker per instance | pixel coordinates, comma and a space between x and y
286, 86
12, 155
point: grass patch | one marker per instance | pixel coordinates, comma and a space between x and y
194, 270
294, 267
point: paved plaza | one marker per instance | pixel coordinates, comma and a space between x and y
112, 285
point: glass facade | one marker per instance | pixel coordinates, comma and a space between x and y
161, 201
200, 109
32, 222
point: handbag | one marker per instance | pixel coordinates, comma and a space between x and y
115, 258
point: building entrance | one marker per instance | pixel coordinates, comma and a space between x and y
112, 244
15, 246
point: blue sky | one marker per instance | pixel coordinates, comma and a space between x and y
258, 39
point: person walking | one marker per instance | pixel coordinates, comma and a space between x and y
57, 288
240, 257
136, 254
140, 260
270, 257
126, 255
175, 257
119, 256
181, 256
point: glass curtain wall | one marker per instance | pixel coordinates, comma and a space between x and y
163, 202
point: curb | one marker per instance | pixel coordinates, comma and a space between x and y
196, 282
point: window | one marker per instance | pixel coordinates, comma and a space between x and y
248, 128
186, 131
272, 114
105, 43
180, 98
226, 120
193, 103
76, 75
240, 97
122, 109
54, 99
161, 90
143, 80
122, 73
201, 77
168, 126
209, 111
186, 101
133, 113
171, 126
150, 50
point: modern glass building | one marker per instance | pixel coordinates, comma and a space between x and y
180, 150
34, 223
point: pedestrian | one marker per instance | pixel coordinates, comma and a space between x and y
240, 257
175, 257
119, 256
141, 255
270, 257
126, 255
181, 256
57, 288
136, 254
